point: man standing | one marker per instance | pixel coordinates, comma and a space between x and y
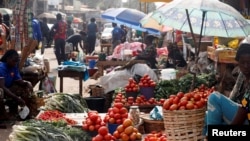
91, 33
117, 33
36, 31
59, 30
45, 33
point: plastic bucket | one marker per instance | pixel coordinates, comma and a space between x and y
168, 74
112, 127
148, 92
92, 64
96, 103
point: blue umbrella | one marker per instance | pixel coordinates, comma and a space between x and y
128, 17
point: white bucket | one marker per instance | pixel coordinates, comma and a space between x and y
168, 74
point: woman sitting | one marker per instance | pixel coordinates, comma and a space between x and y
16, 91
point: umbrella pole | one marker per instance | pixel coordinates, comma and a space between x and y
195, 51
202, 24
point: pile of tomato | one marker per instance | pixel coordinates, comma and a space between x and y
116, 114
55, 115
146, 81
188, 101
93, 121
126, 131
132, 86
155, 136
103, 135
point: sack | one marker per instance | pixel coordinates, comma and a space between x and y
47, 86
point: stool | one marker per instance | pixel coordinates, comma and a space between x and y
70, 73
107, 46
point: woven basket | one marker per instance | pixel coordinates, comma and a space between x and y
96, 90
152, 125
183, 125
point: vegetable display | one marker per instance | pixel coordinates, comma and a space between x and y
66, 103
55, 116
165, 88
38, 130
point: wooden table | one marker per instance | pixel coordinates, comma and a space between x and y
70, 73
101, 65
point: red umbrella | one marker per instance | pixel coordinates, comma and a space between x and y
77, 20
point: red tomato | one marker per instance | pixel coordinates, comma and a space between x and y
103, 130
123, 110
176, 100
180, 95
197, 97
118, 105
85, 126
117, 116
98, 137
91, 128
190, 106
182, 108
173, 107
183, 103
97, 126
152, 84
93, 117
166, 104
199, 104
118, 121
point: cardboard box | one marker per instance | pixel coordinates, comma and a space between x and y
221, 55
227, 56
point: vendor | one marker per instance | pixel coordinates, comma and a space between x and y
16, 91
234, 110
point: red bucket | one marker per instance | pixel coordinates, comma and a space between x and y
148, 92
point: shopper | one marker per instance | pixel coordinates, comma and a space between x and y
77, 39
91, 36
59, 31
45, 34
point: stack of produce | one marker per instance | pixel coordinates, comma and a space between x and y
165, 88
103, 135
93, 122
66, 103
127, 132
155, 136
38, 130
54, 115
117, 114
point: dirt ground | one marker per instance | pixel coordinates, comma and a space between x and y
70, 85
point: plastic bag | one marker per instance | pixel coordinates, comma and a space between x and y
48, 86
156, 113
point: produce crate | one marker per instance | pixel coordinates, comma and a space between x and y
226, 56
183, 125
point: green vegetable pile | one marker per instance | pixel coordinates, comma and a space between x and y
66, 103
164, 88
37, 130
